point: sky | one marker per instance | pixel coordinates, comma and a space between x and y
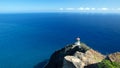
59, 5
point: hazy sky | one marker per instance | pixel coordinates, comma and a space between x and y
57, 5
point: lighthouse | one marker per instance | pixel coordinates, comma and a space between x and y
78, 41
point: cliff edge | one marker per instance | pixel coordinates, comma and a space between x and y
81, 56
74, 56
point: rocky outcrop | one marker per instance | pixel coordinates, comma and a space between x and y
78, 56
80, 60
57, 59
74, 56
115, 57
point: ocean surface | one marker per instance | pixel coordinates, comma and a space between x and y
29, 38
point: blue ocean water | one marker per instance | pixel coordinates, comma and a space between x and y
27, 39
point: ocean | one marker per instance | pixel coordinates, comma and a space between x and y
29, 38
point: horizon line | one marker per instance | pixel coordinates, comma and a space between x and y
81, 12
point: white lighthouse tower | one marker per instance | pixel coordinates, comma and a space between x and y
78, 41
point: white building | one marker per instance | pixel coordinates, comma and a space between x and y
78, 41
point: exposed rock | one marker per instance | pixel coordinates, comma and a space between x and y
56, 60
115, 57
80, 60
78, 56
72, 61
74, 56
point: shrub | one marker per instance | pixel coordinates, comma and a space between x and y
108, 64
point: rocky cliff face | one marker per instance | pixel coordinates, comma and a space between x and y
80, 60
115, 57
57, 59
78, 56
74, 56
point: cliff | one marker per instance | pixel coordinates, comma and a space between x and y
79, 56
115, 57
74, 56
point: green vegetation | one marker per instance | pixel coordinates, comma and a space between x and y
85, 47
108, 64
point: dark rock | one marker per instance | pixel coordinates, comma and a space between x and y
57, 58
77, 56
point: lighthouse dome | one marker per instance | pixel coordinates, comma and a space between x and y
78, 41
